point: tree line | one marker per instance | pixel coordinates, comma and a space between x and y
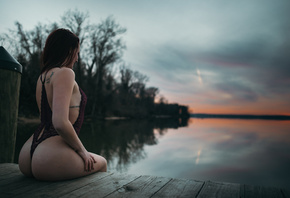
113, 89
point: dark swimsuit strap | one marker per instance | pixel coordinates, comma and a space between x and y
46, 118
43, 81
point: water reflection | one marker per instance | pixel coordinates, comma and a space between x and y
122, 142
242, 151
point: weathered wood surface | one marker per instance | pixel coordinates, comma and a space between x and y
9, 101
14, 184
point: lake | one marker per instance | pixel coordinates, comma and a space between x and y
255, 152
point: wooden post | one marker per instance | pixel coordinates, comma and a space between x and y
10, 77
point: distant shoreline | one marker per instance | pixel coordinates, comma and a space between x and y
241, 116
194, 115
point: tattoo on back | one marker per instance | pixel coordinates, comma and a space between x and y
48, 79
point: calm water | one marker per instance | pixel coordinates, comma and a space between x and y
230, 150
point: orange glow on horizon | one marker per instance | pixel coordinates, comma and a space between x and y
221, 110
205, 100
260, 107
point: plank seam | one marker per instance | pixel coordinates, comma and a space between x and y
94, 180
63, 194
161, 187
200, 190
122, 186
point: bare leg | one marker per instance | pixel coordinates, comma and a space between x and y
24, 159
54, 160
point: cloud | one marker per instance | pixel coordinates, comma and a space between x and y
241, 73
218, 53
237, 92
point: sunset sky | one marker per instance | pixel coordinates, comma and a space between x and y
215, 56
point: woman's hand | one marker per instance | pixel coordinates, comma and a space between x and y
89, 160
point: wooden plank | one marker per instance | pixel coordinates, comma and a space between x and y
20, 187
271, 192
14, 184
57, 189
180, 188
103, 187
11, 178
260, 191
10, 174
26, 184
250, 191
144, 186
14, 181
8, 168
218, 189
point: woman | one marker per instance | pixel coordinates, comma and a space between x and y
54, 151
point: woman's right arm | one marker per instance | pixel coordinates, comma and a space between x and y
62, 85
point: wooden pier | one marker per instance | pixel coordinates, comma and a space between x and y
14, 184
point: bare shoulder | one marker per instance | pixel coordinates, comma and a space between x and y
64, 74
64, 71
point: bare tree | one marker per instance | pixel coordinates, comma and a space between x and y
132, 82
102, 48
77, 22
27, 47
105, 48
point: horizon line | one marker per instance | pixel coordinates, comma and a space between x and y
241, 116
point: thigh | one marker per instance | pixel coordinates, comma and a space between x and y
24, 160
101, 163
54, 160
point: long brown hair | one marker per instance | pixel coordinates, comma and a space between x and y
60, 48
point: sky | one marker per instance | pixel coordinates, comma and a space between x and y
214, 56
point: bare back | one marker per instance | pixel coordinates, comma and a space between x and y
55, 157
54, 151
75, 96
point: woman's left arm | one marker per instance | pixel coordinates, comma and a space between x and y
62, 85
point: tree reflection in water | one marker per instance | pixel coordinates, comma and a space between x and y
121, 142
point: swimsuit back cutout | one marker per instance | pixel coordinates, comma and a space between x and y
46, 119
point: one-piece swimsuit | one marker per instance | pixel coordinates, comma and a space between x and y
46, 119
